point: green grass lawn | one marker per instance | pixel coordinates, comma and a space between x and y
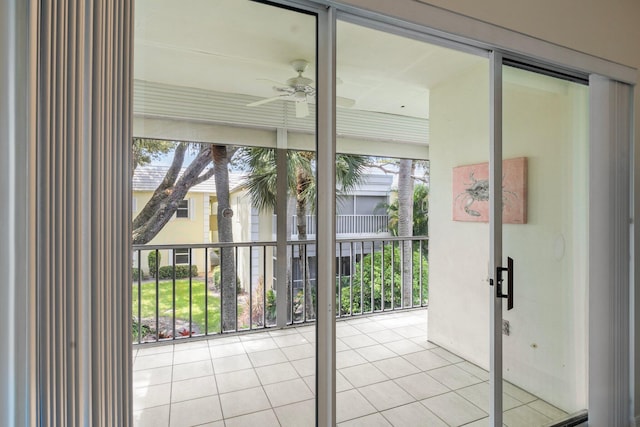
165, 295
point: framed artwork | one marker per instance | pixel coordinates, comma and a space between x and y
471, 192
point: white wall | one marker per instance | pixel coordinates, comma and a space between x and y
545, 120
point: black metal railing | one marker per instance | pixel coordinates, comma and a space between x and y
183, 291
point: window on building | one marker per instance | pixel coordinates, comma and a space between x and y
181, 256
183, 209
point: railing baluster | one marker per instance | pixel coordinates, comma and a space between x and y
139, 296
371, 285
393, 274
206, 291
173, 296
382, 304
221, 263
420, 258
361, 278
264, 286
304, 283
250, 287
350, 279
190, 296
157, 273
235, 286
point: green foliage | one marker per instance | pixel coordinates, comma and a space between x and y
182, 272
216, 281
153, 262
271, 306
363, 271
144, 151
135, 273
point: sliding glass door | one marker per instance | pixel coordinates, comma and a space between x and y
544, 197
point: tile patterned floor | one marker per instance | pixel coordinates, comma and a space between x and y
388, 375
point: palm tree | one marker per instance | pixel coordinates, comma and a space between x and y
301, 184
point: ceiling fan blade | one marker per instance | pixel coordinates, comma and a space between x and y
302, 109
265, 101
345, 102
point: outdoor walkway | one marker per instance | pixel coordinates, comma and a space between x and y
388, 374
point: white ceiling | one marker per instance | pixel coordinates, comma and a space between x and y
236, 46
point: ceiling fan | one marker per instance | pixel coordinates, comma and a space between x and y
299, 89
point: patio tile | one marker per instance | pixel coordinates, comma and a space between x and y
453, 409
231, 363
290, 340
213, 424
221, 340
299, 414
424, 342
309, 335
447, 355
193, 388
426, 360
192, 370
421, 386
276, 373
343, 329
484, 422
341, 383
286, 392
259, 345
403, 347
195, 355
263, 419
244, 402
386, 336
154, 395
373, 420
196, 411
153, 361
474, 370
267, 357
237, 380
413, 414
365, 374
517, 392
357, 341
396, 367
351, 404
370, 327
142, 350
305, 367
376, 352
299, 351
547, 409
385, 395
226, 350
284, 331
348, 358
480, 395
409, 331
157, 416
454, 377
524, 416
149, 377
341, 346
186, 345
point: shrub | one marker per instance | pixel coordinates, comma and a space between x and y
182, 272
135, 273
378, 281
216, 282
153, 262
271, 306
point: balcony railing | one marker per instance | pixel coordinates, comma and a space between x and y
179, 291
348, 224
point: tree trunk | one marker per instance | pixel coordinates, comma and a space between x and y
302, 183
405, 225
166, 198
225, 234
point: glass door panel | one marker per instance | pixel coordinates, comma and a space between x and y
422, 110
545, 209
232, 83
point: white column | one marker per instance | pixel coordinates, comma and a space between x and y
326, 220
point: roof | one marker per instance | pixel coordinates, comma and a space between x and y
148, 177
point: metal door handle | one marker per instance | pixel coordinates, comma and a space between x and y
509, 294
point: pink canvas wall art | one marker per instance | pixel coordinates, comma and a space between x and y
471, 192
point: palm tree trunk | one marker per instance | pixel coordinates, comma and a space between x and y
405, 225
303, 181
225, 234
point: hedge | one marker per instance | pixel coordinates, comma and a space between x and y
182, 272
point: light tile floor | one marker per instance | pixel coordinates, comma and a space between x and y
389, 374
